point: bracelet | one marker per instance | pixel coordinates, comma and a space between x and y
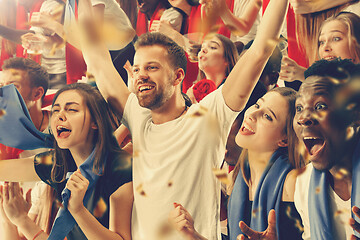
36, 235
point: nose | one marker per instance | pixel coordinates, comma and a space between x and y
327, 46
307, 119
61, 116
142, 75
252, 116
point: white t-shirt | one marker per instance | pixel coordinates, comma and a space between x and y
239, 7
340, 208
354, 8
173, 162
54, 62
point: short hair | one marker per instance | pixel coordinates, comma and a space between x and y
339, 69
38, 76
176, 53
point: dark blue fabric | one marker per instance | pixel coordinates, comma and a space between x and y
268, 196
355, 188
64, 221
16, 128
320, 213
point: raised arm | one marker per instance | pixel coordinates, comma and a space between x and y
244, 76
243, 23
18, 170
306, 6
98, 59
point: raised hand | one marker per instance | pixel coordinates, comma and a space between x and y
14, 205
77, 184
354, 224
268, 234
291, 71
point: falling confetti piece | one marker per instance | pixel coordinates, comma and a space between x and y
200, 112
140, 190
170, 183
341, 173
100, 208
254, 212
222, 175
165, 230
2, 112
298, 224
44, 159
317, 190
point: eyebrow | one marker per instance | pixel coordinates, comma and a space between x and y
67, 104
333, 31
269, 108
215, 42
153, 62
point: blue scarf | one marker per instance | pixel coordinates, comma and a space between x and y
268, 196
320, 213
64, 221
16, 128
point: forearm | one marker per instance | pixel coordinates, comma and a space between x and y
9, 231
98, 59
250, 66
29, 228
11, 34
18, 170
92, 228
304, 7
244, 23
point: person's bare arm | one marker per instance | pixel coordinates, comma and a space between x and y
306, 6
12, 34
98, 59
18, 170
244, 76
243, 23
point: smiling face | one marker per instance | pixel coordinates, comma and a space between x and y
322, 139
153, 76
263, 128
334, 41
211, 56
71, 121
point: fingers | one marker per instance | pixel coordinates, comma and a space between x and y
354, 224
77, 181
246, 230
356, 211
353, 237
272, 222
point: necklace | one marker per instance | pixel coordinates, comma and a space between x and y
42, 120
183, 111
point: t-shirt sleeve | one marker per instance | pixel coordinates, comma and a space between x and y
174, 17
215, 103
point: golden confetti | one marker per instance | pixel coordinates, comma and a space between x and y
140, 190
255, 211
222, 175
2, 112
298, 224
341, 173
46, 159
200, 112
165, 230
317, 190
100, 208
170, 183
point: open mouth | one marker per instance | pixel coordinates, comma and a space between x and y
329, 58
314, 144
246, 130
63, 131
145, 88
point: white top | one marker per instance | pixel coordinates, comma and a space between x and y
173, 162
340, 208
54, 63
239, 7
36, 195
174, 17
354, 8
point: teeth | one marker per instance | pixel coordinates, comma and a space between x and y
310, 138
60, 128
248, 128
143, 88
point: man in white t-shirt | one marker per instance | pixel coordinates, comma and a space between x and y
323, 195
176, 146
